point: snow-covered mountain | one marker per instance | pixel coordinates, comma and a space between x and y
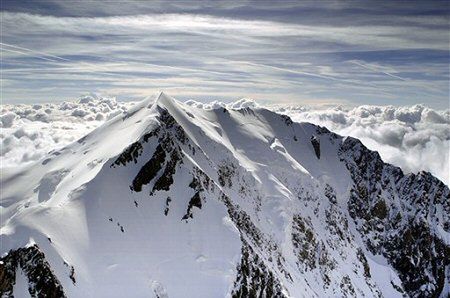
169, 200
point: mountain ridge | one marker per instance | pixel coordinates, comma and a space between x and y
297, 209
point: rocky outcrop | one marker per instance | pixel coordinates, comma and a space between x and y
316, 145
42, 282
132, 152
393, 212
254, 279
149, 170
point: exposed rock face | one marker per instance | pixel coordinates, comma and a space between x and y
254, 279
304, 243
195, 201
41, 280
316, 145
132, 152
401, 232
165, 148
149, 170
166, 180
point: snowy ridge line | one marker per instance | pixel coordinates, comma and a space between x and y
408, 137
232, 202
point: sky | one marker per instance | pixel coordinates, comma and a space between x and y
294, 52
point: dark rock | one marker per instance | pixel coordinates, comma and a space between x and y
166, 210
131, 153
166, 180
41, 280
149, 170
304, 243
226, 172
362, 258
254, 279
316, 145
287, 120
403, 236
195, 201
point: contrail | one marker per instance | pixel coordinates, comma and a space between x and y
377, 70
26, 54
291, 70
33, 51
95, 66
350, 82
420, 84
92, 66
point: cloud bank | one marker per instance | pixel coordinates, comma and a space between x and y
28, 132
414, 138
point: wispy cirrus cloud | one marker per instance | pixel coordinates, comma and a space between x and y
292, 51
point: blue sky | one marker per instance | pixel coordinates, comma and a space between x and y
296, 52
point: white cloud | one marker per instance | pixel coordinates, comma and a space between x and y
243, 103
30, 131
238, 104
414, 138
7, 119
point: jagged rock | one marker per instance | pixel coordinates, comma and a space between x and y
304, 243
226, 172
132, 152
195, 201
149, 170
166, 180
316, 145
41, 280
412, 248
254, 279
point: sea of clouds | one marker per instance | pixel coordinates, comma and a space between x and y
28, 132
414, 138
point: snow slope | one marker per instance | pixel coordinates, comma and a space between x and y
169, 200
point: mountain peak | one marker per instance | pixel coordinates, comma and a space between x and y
231, 202
164, 100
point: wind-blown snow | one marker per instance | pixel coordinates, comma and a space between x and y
410, 137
